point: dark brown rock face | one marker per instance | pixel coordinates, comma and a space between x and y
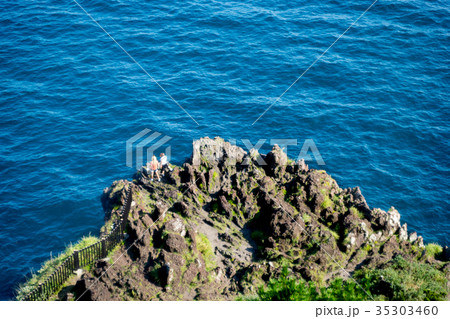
223, 224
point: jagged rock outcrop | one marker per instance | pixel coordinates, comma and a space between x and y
224, 223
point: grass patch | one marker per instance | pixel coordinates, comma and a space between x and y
356, 212
248, 298
336, 200
400, 280
433, 250
205, 248
334, 234
287, 287
306, 218
230, 201
405, 280
50, 265
326, 203
201, 200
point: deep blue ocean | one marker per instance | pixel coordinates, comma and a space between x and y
376, 104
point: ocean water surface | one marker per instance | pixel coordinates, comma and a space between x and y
376, 104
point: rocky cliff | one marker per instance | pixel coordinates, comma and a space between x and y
226, 222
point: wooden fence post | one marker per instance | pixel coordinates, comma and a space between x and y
103, 248
39, 291
76, 260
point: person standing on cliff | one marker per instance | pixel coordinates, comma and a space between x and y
164, 163
154, 168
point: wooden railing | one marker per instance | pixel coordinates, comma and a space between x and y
83, 257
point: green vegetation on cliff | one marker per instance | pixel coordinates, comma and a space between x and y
399, 280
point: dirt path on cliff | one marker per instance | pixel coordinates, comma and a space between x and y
242, 247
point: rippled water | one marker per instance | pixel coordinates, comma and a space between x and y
376, 104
